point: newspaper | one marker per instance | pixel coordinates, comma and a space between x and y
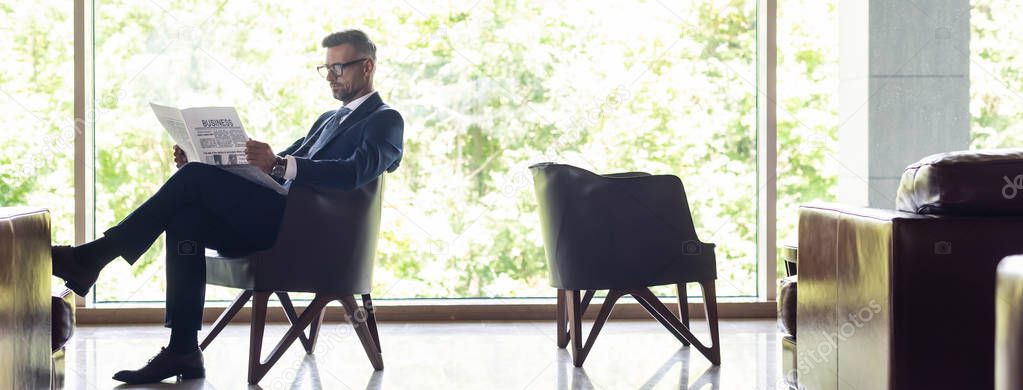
215, 136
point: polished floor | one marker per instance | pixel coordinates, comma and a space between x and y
478, 355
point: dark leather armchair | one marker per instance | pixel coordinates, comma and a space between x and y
326, 246
905, 299
622, 233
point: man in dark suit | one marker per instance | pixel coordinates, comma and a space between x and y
203, 206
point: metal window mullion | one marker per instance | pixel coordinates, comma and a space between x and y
84, 124
767, 149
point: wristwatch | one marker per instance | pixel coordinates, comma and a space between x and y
280, 166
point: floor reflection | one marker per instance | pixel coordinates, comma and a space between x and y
308, 377
497, 355
571, 377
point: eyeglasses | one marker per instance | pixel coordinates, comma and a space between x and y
337, 68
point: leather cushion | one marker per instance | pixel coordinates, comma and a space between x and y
62, 322
790, 254
233, 272
964, 183
787, 305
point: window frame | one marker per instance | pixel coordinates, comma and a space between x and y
766, 139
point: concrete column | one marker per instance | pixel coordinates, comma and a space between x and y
904, 91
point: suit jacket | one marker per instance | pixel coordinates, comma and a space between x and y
366, 144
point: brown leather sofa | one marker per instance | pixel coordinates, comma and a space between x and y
1009, 328
25, 306
905, 299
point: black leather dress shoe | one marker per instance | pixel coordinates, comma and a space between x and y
76, 277
165, 365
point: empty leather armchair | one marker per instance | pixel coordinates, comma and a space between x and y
623, 233
325, 246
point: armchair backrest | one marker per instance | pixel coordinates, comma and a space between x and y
604, 230
327, 240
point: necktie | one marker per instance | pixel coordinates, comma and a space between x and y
329, 129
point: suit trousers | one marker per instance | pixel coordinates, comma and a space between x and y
200, 206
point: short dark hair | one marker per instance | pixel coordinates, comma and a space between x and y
356, 38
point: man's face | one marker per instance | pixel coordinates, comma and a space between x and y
354, 78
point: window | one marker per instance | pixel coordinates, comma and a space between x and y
996, 81
808, 81
485, 89
808, 119
36, 105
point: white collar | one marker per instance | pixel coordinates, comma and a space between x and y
358, 102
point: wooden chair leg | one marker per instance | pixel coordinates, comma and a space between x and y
371, 319
308, 342
359, 321
663, 320
365, 328
575, 318
656, 308
225, 318
257, 368
587, 297
575, 325
314, 330
256, 325
710, 307
562, 318
683, 306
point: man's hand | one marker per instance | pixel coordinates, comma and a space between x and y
179, 157
260, 155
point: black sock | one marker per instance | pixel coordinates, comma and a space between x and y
96, 254
183, 340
